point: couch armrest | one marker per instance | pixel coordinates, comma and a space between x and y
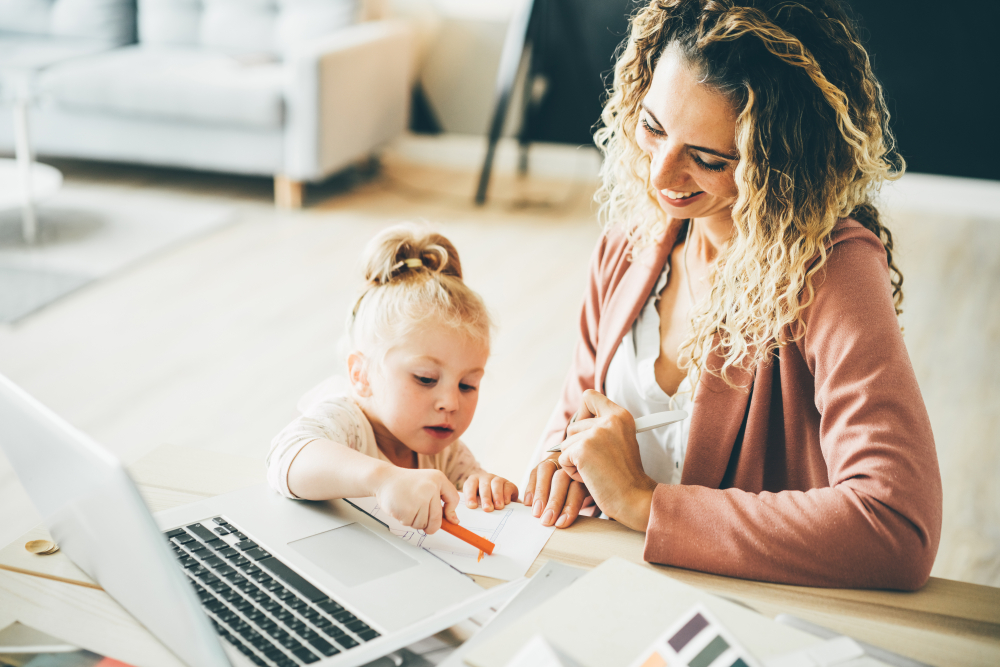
348, 93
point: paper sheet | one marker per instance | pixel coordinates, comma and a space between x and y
518, 537
609, 614
540, 653
553, 578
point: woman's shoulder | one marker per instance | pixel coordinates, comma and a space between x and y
854, 281
850, 230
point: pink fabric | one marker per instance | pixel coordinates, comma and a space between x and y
825, 473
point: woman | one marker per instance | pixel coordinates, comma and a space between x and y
744, 275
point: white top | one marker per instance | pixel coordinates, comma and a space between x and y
330, 413
631, 383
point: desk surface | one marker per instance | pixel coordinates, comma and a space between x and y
945, 623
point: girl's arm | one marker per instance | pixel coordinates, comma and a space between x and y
326, 453
323, 470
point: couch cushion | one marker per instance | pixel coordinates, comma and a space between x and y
302, 20
242, 26
239, 26
33, 52
169, 22
176, 84
104, 20
25, 16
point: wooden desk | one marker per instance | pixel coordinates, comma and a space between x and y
945, 623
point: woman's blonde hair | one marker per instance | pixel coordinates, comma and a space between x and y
413, 276
814, 147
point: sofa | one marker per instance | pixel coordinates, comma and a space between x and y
294, 89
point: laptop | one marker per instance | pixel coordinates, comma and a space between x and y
246, 578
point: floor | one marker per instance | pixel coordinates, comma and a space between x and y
211, 344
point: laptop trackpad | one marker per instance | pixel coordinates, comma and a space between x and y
352, 554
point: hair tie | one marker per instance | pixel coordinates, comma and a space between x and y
410, 263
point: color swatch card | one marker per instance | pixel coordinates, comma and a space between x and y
613, 612
696, 639
518, 537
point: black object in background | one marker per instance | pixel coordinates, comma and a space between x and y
939, 64
573, 59
572, 47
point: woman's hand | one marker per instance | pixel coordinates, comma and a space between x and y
413, 497
602, 452
555, 494
496, 492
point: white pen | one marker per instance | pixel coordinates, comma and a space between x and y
643, 424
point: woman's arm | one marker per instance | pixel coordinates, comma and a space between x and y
876, 525
878, 522
554, 497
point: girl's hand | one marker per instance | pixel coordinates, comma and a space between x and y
413, 497
557, 498
496, 492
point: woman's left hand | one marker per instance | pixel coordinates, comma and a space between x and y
601, 451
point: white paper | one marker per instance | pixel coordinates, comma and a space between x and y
838, 652
518, 536
539, 653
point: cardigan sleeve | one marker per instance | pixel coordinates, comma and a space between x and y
583, 365
878, 523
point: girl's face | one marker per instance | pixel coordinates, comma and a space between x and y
425, 393
689, 132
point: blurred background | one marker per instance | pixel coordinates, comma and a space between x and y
176, 266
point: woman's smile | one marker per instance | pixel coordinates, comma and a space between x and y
679, 199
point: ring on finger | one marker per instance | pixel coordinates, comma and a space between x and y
555, 463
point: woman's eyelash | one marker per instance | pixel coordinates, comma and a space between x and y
651, 129
711, 167
701, 163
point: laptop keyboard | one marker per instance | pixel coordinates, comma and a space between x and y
257, 603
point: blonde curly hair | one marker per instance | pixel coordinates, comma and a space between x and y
413, 276
814, 146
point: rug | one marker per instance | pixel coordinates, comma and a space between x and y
86, 233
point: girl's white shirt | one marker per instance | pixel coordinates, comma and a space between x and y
330, 413
631, 383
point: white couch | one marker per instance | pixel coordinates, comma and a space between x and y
295, 89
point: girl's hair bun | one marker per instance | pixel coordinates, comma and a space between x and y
413, 277
404, 250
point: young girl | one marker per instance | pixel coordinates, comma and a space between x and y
419, 340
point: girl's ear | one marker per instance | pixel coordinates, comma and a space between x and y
358, 374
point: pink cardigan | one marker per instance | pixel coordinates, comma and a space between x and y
825, 473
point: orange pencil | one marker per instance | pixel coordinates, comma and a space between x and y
467, 536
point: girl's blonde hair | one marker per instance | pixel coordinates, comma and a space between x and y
413, 276
814, 146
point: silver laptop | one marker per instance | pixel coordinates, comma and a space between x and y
246, 578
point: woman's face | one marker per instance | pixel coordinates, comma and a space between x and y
689, 132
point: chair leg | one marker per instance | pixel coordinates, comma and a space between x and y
288, 193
